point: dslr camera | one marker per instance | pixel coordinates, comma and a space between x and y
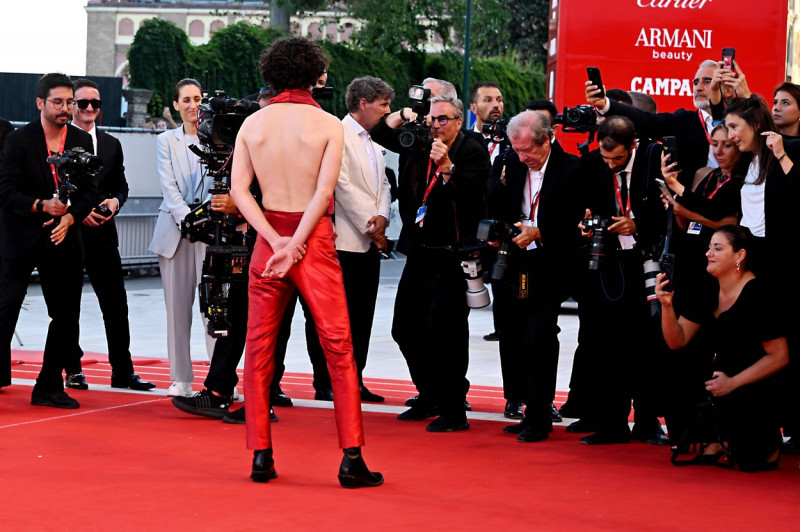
597, 244
477, 294
580, 119
498, 231
415, 134
74, 161
496, 131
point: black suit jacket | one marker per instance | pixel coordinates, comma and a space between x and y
111, 183
683, 124
453, 209
557, 218
648, 210
25, 176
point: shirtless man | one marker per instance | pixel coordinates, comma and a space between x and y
294, 149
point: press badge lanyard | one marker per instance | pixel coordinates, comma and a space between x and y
534, 198
626, 211
60, 150
705, 129
431, 181
719, 186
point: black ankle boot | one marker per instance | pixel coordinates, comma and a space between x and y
263, 466
353, 472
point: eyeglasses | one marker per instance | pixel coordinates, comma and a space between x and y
443, 120
84, 104
58, 103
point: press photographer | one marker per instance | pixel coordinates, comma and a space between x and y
30, 238
534, 192
440, 191
625, 225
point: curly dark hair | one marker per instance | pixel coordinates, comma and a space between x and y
292, 63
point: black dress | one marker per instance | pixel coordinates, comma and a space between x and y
752, 431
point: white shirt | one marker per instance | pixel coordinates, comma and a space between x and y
366, 141
626, 241
495, 147
530, 195
712, 161
753, 216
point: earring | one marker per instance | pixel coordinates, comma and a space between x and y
739, 267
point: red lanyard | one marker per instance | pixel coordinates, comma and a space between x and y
703, 123
60, 151
431, 180
719, 185
626, 211
534, 199
492, 146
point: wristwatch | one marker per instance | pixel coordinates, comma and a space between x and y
450, 170
40, 206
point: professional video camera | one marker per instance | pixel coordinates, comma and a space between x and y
322, 93
73, 162
498, 231
415, 135
580, 119
496, 130
597, 244
226, 258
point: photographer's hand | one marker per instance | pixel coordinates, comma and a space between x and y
720, 384
223, 203
96, 220
584, 231
591, 96
54, 207
58, 234
527, 236
439, 155
664, 297
670, 177
623, 226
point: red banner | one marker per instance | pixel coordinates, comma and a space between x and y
656, 46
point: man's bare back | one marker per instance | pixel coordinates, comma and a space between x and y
295, 152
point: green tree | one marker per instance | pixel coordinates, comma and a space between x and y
158, 58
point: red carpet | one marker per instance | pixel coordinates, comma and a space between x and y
127, 461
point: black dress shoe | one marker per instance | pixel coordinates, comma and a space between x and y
492, 337
467, 406
58, 399
791, 446
581, 426
516, 428
203, 403
604, 437
513, 410
353, 473
418, 412
531, 434
447, 424
370, 397
655, 436
236, 417
325, 394
76, 381
555, 415
263, 466
280, 399
132, 381
566, 410
411, 400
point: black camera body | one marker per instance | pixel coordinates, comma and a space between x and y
580, 119
498, 231
496, 131
222, 266
415, 134
597, 243
74, 161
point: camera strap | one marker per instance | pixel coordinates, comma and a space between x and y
60, 151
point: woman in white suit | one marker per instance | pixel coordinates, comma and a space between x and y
183, 183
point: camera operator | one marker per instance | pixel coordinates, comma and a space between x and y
36, 232
440, 191
183, 183
627, 230
101, 257
486, 101
535, 192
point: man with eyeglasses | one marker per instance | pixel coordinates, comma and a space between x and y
440, 191
101, 257
36, 232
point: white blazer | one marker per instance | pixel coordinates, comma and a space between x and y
357, 197
175, 174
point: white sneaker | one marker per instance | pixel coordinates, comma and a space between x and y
180, 389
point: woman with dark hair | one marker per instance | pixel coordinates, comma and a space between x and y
786, 110
750, 348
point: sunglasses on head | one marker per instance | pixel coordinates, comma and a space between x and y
83, 104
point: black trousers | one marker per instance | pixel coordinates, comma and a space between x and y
506, 327
61, 277
103, 265
431, 329
228, 350
361, 273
